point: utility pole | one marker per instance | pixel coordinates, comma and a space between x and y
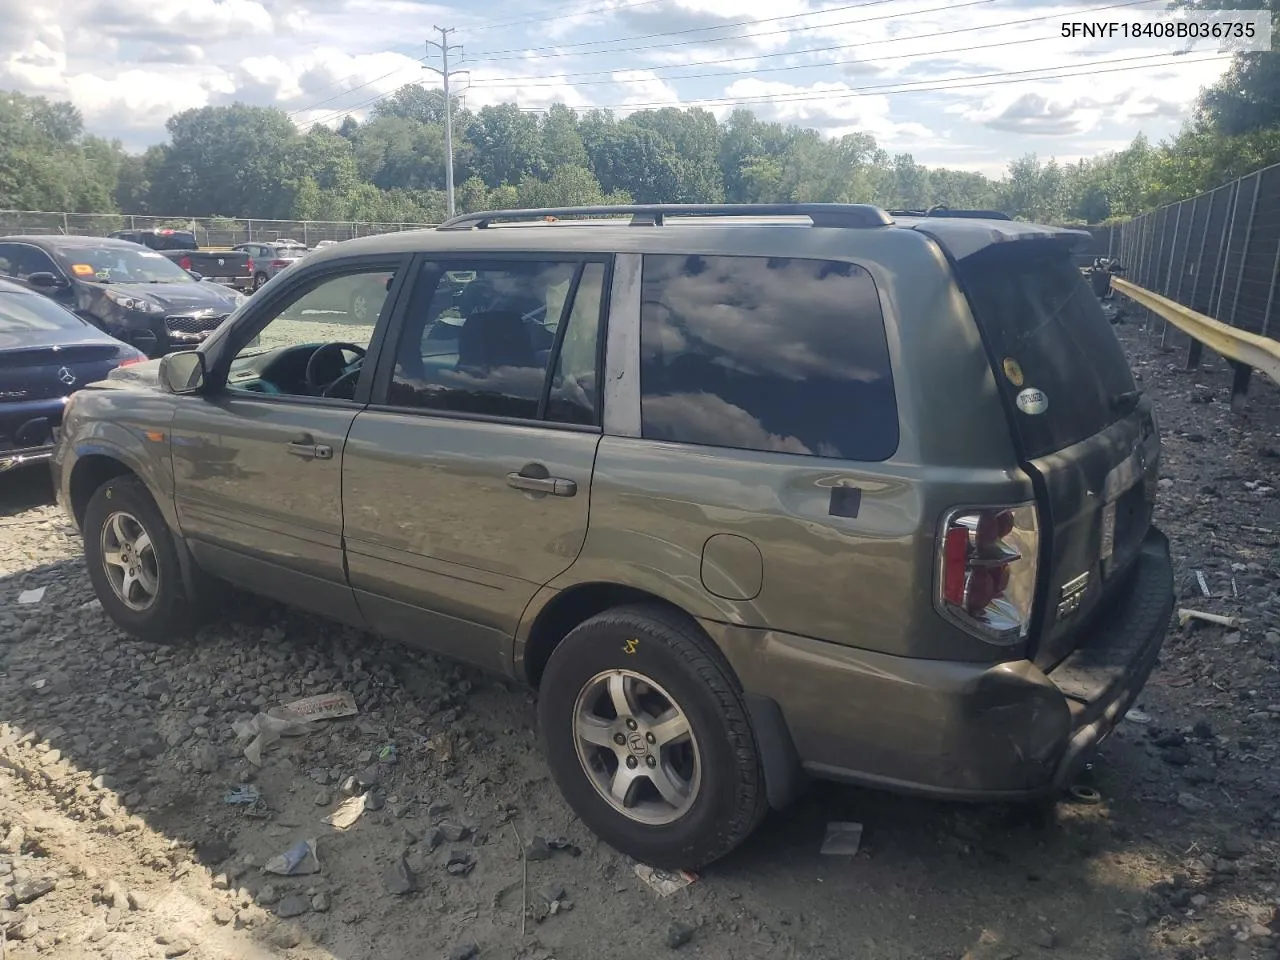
446, 76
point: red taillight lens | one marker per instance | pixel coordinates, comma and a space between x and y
988, 570
185, 263
278, 264
130, 361
251, 265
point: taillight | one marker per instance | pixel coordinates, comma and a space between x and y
279, 264
130, 361
251, 266
987, 570
185, 263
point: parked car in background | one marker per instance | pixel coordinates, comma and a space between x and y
271, 257
805, 490
321, 244
231, 269
135, 294
46, 354
159, 238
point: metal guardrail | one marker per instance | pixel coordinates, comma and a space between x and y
1261, 353
1248, 350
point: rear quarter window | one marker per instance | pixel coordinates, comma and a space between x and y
776, 354
1046, 332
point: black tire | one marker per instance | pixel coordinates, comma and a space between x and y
668, 648
258, 280
169, 616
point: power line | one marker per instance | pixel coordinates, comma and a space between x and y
754, 57
1084, 69
343, 93
483, 54
999, 78
487, 85
564, 15
525, 81
749, 36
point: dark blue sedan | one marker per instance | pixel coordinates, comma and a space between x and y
46, 354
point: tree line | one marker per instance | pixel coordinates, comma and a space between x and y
247, 161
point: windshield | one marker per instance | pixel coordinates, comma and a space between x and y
24, 312
122, 265
1049, 336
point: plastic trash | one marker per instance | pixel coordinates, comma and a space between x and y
347, 812
842, 840
1184, 615
1138, 716
291, 720
665, 882
246, 794
31, 596
299, 860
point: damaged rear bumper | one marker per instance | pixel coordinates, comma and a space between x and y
952, 730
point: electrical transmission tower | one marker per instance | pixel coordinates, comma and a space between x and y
446, 75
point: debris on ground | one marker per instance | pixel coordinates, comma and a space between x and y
347, 812
665, 882
842, 839
299, 860
31, 596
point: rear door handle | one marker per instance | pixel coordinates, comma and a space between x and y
556, 486
307, 448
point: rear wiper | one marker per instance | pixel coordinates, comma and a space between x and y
1125, 402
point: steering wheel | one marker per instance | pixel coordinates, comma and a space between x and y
324, 350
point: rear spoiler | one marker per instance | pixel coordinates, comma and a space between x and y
963, 238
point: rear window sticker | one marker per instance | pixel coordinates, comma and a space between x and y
1032, 401
82, 270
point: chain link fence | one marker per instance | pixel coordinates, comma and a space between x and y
1217, 253
209, 231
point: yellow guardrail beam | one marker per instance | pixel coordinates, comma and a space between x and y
1260, 353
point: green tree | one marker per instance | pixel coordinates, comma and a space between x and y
507, 144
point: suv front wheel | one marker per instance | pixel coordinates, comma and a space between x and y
646, 733
132, 562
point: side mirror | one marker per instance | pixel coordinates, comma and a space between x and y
46, 281
182, 373
196, 276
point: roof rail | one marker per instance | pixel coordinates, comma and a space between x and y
653, 214
941, 211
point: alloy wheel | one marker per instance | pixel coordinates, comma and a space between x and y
129, 560
637, 747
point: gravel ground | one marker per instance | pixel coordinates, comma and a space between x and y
116, 758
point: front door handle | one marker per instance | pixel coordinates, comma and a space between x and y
310, 450
556, 486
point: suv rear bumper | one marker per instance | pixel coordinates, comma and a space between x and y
953, 730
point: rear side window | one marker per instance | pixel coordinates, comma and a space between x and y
766, 353
1047, 333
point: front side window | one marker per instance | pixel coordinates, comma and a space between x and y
766, 353
29, 260
315, 345
479, 337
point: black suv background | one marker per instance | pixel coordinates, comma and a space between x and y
134, 294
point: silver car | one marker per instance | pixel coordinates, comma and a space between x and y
272, 257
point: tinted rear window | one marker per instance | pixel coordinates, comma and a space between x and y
1046, 329
766, 353
29, 312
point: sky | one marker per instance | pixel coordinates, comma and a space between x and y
966, 84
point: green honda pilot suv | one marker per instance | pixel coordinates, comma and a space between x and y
749, 494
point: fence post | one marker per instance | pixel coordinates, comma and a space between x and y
1244, 252
1240, 382
1271, 294
132, 223
1222, 254
249, 228
304, 234
1168, 274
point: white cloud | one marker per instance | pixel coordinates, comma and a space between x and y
128, 64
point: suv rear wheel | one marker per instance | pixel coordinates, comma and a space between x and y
132, 562
647, 736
